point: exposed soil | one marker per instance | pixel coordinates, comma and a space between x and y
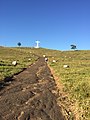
30, 95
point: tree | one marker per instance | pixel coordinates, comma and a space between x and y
19, 44
73, 47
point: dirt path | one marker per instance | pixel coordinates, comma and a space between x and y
30, 95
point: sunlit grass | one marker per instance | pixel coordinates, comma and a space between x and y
7, 55
76, 78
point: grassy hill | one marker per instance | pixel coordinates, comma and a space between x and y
8, 55
75, 79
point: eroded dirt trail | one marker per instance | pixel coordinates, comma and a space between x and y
30, 96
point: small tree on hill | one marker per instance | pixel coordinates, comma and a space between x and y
19, 44
73, 47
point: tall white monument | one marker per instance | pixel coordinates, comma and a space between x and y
37, 44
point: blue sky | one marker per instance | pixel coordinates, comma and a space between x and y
55, 23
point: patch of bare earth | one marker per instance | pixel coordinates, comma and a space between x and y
31, 95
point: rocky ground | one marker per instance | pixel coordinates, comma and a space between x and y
30, 95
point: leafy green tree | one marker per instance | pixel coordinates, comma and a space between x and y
73, 47
19, 44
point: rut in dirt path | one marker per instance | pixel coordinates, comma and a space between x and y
30, 95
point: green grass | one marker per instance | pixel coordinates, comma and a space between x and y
7, 55
75, 79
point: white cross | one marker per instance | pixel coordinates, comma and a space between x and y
37, 44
